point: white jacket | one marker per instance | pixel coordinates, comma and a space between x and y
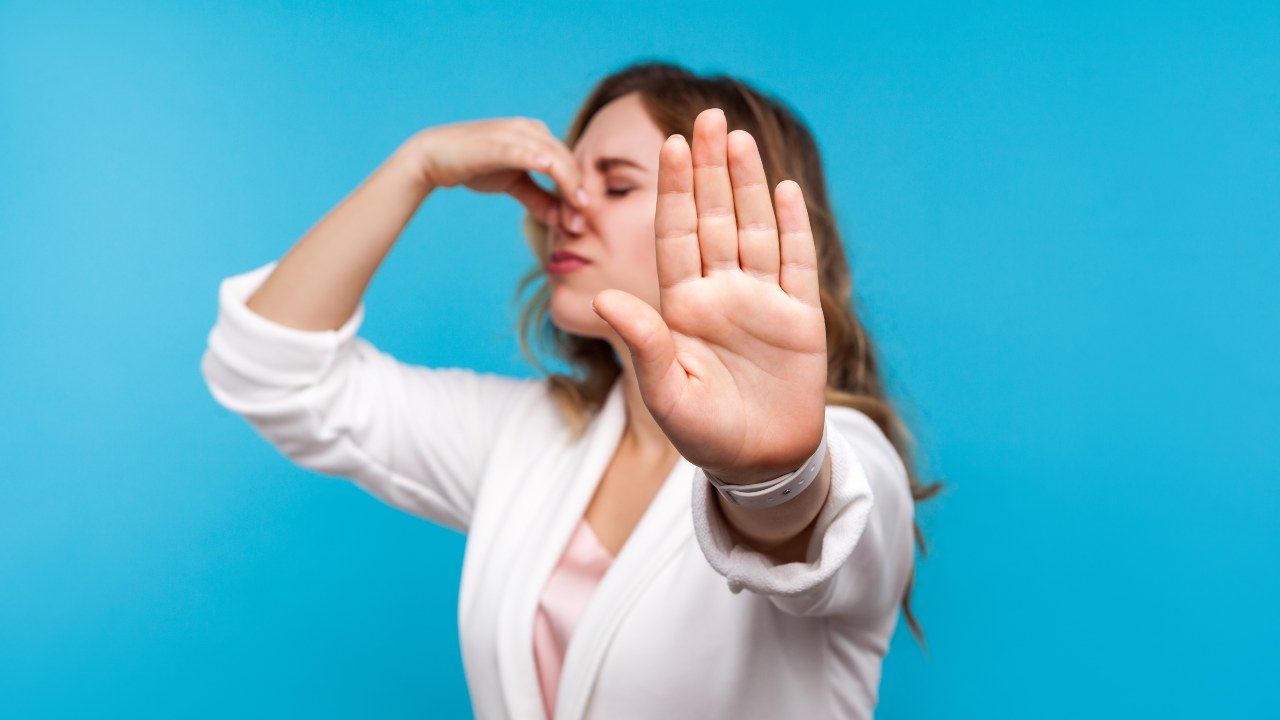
669, 633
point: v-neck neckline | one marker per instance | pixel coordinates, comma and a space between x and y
661, 532
595, 539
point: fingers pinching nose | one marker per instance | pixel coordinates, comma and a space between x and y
571, 219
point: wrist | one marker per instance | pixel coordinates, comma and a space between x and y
758, 474
415, 160
776, 489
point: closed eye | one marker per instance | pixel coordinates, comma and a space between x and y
618, 192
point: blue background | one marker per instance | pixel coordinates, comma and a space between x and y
1065, 227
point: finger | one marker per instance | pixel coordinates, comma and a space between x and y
757, 230
563, 171
799, 270
717, 228
675, 222
662, 380
542, 204
562, 166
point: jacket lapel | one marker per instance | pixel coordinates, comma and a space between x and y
554, 515
663, 532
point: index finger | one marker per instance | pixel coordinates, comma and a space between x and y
560, 164
676, 219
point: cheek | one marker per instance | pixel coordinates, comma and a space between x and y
638, 231
642, 251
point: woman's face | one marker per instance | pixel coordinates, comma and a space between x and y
618, 156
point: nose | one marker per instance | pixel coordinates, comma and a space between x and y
571, 220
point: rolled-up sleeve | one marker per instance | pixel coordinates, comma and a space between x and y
416, 437
860, 554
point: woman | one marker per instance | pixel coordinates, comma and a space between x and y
726, 429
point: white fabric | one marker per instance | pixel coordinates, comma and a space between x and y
669, 632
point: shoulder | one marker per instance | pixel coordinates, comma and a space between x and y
524, 408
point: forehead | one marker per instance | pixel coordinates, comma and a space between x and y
624, 129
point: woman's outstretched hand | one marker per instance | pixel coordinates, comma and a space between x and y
734, 368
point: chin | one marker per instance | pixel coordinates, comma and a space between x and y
576, 320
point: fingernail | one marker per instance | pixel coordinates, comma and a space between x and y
581, 196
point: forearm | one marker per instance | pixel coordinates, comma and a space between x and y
782, 531
319, 282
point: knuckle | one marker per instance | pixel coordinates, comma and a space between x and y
718, 213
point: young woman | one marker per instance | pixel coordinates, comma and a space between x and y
725, 429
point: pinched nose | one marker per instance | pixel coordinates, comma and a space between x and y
571, 220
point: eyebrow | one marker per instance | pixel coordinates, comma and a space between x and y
605, 164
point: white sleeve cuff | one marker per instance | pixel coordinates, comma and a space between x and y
839, 525
268, 352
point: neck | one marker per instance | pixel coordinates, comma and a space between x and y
643, 435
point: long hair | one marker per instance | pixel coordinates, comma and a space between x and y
673, 96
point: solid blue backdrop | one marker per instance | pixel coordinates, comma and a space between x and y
1065, 230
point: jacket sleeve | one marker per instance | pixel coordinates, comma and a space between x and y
415, 437
861, 553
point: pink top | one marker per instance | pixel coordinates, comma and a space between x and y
563, 601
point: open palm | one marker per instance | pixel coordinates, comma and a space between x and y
734, 367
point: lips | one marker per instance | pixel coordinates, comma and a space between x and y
563, 261
564, 255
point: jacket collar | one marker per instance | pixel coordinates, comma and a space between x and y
662, 532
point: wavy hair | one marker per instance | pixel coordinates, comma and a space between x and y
673, 96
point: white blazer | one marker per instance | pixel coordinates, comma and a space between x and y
668, 633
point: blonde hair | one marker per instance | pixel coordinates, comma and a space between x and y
673, 97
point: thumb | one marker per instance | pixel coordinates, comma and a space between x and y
653, 350
540, 203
